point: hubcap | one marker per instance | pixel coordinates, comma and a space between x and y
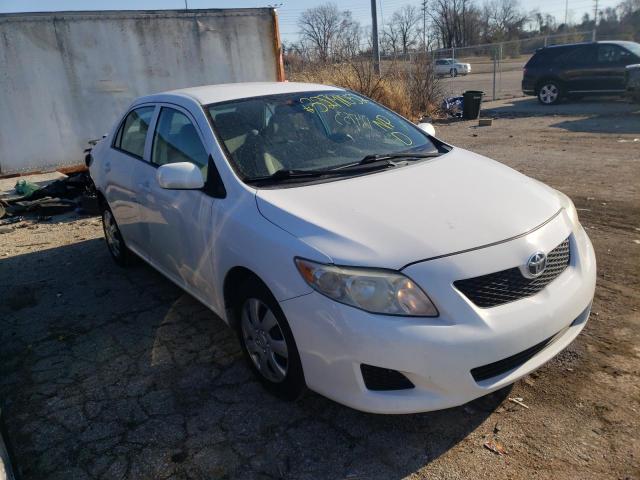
111, 233
549, 93
264, 340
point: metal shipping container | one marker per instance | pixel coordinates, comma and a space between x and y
66, 77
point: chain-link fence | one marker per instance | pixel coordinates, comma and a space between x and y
495, 68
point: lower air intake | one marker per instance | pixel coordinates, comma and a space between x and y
377, 378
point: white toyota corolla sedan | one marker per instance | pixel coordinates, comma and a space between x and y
354, 253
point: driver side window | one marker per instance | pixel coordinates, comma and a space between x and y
176, 139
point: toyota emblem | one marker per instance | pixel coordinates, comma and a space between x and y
536, 264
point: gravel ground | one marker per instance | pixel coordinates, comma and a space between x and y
116, 373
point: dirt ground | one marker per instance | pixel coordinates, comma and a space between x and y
116, 373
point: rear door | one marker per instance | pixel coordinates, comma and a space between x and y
122, 166
577, 68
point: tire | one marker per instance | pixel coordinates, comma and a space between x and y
549, 92
453, 72
113, 238
267, 342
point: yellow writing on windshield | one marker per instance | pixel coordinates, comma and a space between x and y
325, 102
358, 120
383, 122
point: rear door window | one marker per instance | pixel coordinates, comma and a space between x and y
577, 57
132, 134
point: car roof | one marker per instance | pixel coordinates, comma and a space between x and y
622, 43
207, 94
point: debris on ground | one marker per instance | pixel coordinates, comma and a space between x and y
452, 106
518, 400
26, 188
10, 220
73, 192
495, 446
485, 122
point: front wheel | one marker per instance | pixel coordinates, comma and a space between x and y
549, 93
113, 237
453, 72
267, 341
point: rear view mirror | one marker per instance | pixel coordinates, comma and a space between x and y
179, 176
427, 128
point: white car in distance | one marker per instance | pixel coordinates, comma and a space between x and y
449, 66
352, 252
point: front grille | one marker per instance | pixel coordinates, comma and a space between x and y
377, 378
510, 285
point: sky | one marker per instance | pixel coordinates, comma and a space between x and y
288, 10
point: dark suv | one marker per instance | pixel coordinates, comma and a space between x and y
578, 69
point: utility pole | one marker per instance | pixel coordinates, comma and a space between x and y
186, 6
374, 34
595, 22
566, 12
424, 25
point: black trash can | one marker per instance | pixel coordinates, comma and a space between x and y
471, 104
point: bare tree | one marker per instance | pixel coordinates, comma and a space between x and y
456, 22
405, 23
329, 32
390, 39
348, 37
504, 19
319, 26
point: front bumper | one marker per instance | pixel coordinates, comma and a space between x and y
438, 354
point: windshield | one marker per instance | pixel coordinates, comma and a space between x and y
309, 131
633, 47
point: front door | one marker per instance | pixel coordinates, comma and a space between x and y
180, 222
611, 62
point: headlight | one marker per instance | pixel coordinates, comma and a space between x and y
569, 207
376, 291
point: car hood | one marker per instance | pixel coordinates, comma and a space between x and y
388, 219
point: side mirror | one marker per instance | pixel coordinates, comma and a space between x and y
427, 128
179, 176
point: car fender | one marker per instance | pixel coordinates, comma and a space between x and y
248, 240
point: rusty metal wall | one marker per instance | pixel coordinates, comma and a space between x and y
66, 77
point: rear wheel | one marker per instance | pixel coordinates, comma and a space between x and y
549, 93
267, 341
113, 237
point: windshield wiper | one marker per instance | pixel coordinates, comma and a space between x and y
386, 158
288, 174
391, 156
